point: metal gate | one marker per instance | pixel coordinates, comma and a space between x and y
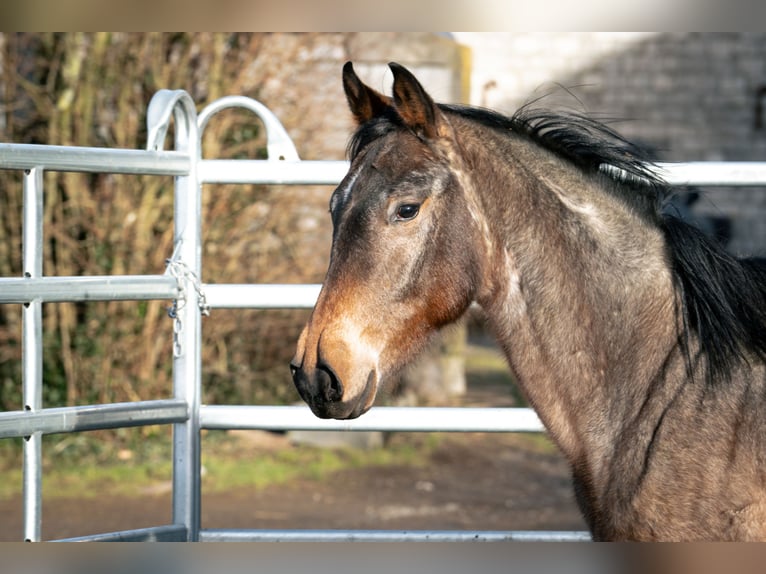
181, 283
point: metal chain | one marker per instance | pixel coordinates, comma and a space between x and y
183, 275
178, 327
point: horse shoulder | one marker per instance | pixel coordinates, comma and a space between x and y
699, 472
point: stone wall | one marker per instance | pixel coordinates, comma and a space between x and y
690, 96
300, 78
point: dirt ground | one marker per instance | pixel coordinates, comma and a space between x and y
471, 481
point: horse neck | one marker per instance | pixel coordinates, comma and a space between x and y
579, 294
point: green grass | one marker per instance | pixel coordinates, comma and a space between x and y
486, 366
132, 462
225, 469
228, 462
486, 359
92, 464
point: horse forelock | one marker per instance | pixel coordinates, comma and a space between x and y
371, 131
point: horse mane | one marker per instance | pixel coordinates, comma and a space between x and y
586, 142
723, 298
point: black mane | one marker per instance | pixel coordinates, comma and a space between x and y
588, 143
723, 297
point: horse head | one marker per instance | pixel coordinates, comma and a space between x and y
400, 265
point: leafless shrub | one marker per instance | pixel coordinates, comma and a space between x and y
93, 90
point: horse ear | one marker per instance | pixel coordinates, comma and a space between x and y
413, 104
364, 102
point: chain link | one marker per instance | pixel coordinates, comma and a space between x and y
183, 275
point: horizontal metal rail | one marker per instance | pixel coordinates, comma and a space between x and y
734, 173
303, 172
92, 417
243, 535
166, 533
93, 159
714, 173
261, 296
403, 419
92, 288
174, 533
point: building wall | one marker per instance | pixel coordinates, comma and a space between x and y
298, 76
689, 96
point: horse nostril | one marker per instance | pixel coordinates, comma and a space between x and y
332, 388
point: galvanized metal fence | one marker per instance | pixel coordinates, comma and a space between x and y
181, 283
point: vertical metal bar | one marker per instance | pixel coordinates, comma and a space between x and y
32, 352
187, 363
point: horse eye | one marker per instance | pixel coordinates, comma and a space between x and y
407, 211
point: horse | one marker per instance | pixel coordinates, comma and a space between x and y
639, 342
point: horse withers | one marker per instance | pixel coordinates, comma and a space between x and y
640, 343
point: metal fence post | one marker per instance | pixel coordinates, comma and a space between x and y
32, 351
186, 265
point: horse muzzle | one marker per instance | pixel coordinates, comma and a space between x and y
323, 392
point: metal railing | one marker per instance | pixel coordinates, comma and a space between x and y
181, 283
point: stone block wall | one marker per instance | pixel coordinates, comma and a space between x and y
689, 96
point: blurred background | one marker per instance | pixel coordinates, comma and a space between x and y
687, 96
